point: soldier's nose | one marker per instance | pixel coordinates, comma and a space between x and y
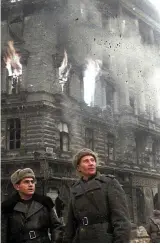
90, 162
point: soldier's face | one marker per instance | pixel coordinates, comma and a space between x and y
26, 187
87, 166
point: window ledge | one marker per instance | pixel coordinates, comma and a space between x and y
66, 155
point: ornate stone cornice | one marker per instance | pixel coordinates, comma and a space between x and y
140, 14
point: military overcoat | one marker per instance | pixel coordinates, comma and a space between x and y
98, 212
153, 227
19, 226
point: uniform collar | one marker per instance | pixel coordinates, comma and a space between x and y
35, 207
96, 176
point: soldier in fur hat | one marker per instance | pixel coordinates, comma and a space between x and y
26, 216
98, 209
153, 225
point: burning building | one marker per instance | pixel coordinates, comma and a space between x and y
82, 74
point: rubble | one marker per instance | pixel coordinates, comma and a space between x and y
142, 236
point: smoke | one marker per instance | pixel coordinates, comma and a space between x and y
137, 64
119, 45
85, 35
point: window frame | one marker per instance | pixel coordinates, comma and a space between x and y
89, 141
12, 131
10, 86
62, 135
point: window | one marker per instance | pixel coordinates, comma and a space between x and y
110, 146
89, 138
14, 1
12, 60
109, 94
156, 152
14, 133
141, 146
13, 85
64, 137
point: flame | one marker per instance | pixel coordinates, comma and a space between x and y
64, 70
12, 60
90, 75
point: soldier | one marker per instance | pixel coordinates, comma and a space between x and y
26, 216
98, 210
153, 227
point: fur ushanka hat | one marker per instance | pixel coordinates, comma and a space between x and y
83, 152
20, 174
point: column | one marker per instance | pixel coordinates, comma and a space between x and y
142, 99
97, 101
3, 135
124, 86
159, 193
136, 106
103, 95
4, 79
124, 97
115, 102
134, 204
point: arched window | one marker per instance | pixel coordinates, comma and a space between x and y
64, 137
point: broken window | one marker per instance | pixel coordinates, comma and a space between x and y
141, 147
110, 146
14, 1
13, 85
12, 60
14, 133
89, 138
64, 71
64, 137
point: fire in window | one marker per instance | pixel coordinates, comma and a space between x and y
64, 71
90, 75
64, 137
110, 146
14, 133
14, 67
89, 138
14, 1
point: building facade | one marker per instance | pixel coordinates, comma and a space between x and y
82, 74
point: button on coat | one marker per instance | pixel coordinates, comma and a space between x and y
101, 204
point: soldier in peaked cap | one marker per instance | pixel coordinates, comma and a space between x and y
98, 210
26, 216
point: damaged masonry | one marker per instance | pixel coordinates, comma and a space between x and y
76, 76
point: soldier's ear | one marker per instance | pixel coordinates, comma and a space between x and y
78, 168
16, 186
